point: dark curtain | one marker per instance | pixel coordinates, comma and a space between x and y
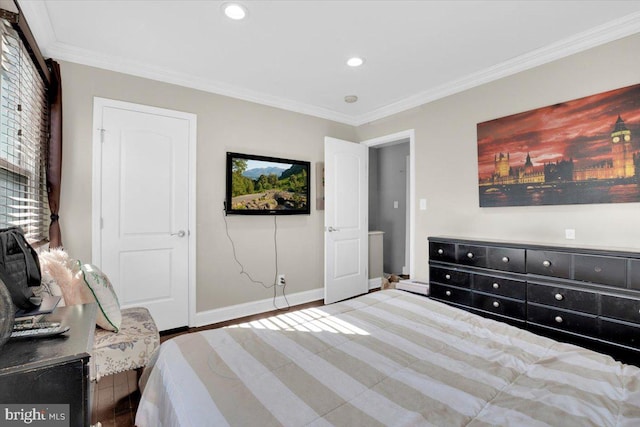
54, 163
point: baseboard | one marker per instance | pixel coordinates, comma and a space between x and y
375, 283
217, 315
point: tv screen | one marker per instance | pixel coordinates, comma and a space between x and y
260, 185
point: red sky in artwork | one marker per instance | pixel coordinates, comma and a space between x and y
578, 130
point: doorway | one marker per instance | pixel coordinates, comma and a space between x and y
391, 205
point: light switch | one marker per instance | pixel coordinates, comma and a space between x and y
395, 204
423, 204
570, 233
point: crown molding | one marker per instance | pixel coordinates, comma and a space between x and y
38, 17
608, 32
87, 57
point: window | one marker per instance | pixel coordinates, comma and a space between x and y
23, 139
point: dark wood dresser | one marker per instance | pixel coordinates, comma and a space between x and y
52, 370
589, 297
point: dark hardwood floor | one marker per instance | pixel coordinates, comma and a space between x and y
115, 400
116, 397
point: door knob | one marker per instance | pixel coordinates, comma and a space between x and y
180, 233
331, 229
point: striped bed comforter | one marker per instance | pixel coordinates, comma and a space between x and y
385, 358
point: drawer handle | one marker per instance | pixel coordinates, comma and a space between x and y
559, 297
469, 255
546, 263
440, 251
505, 259
496, 304
598, 269
558, 319
448, 293
496, 285
447, 276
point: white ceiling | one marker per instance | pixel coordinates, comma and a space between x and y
291, 54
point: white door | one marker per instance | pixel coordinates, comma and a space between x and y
346, 244
144, 207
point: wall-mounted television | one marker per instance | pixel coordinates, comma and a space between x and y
261, 185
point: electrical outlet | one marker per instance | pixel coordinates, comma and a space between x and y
280, 281
570, 233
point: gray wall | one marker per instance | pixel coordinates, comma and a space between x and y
374, 200
446, 168
389, 186
224, 124
446, 155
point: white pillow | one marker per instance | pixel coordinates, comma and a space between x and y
95, 286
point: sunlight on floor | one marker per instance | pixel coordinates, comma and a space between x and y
309, 320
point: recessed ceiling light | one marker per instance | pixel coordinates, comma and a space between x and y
355, 61
234, 11
350, 99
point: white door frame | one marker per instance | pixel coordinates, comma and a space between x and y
96, 199
395, 137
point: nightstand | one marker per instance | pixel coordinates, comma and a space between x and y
52, 370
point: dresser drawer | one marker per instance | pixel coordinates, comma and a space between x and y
472, 255
554, 290
600, 269
580, 323
620, 308
619, 332
506, 259
450, 294
500, 286
503, 306
445, 252
548, 263
634, 274
450, 276
570, 299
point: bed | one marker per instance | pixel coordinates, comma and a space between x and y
385, 358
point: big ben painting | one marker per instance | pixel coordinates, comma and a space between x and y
576, 152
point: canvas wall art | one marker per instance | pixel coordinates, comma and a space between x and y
576, 152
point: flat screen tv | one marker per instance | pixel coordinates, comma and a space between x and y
260, 185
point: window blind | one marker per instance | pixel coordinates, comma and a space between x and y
23, 139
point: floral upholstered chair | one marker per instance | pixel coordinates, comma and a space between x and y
129, 348
124, 339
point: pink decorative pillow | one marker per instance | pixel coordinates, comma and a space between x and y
57, 276
80, 284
